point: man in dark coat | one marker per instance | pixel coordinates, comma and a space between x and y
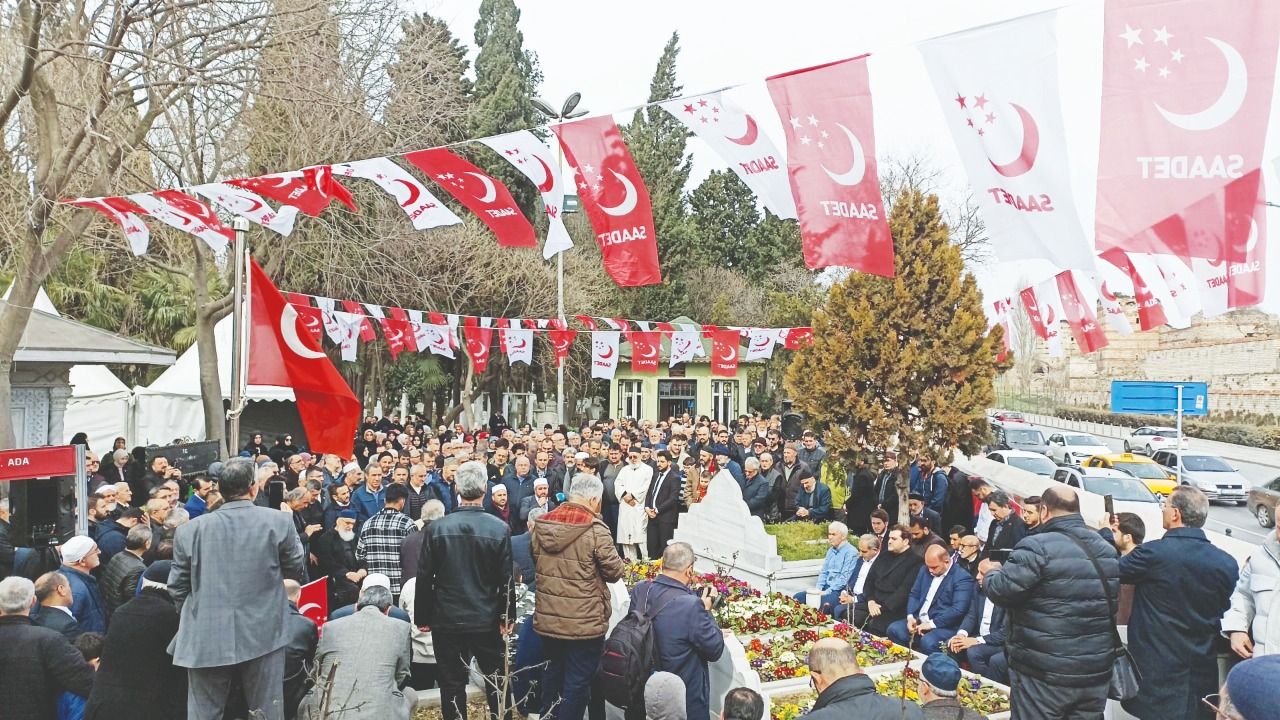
959, 505
1060, 647
686, 632
1182, 587
36, 664
861, 500
662, 504
889, 584
886, 486
756, 493
1007, 529
844, 691
136, 676
336, 557
981, 637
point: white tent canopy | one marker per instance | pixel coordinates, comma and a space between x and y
171, 406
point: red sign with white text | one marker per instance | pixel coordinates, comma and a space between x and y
37, 462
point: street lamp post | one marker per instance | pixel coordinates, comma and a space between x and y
568, 110
238, 255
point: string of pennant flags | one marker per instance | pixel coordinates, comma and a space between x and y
1186, 94
346, 323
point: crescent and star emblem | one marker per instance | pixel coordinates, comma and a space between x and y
748, 137
857, 170
628, 203
550, 182
1227, 104
289, 333
1026, 158
490, 190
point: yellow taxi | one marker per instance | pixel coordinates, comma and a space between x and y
1155, 477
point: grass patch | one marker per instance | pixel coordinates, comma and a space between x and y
796, 540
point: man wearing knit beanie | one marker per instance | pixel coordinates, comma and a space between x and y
664, 697
1252, 691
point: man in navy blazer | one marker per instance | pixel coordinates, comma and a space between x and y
938, 603
981, 637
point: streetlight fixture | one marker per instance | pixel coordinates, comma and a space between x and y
568, 111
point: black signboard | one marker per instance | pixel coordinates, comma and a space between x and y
191, 458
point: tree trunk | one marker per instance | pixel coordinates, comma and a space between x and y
463, 407
207, 315
904, 489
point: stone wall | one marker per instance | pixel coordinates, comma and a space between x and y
1237, 354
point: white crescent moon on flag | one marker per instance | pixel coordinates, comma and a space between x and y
1253, 236
628, 203
306, 607
733, 353
490, 191
1227, 104
289, 331
855, 173
550, 182
749, 136
1026, 159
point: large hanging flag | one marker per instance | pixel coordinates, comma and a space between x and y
182, 212
425, 211
480, 192
561, 339
533, 159
250, 206
1186, 100
1081, 316
311, 190
279, 356
998, 87
724, 352
604, 353
831, 163
518, 344
615, 198
738, 139
125, 213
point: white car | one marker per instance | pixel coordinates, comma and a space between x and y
1128, 493
1071, 448
1032, 462
1150, 438
1216, 478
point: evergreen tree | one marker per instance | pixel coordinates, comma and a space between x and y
430, 90
907, 360
723, 216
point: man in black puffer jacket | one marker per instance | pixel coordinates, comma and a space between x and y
1060, 646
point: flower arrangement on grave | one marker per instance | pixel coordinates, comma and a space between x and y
784, 655
790, 707
973, 693
744, 610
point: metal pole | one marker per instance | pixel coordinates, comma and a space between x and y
560, 304
238, 256
82, 493
1179, 471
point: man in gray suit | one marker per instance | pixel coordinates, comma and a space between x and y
372, 654
227, 581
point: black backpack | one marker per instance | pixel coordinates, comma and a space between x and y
630, 655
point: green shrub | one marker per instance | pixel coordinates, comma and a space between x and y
800, 540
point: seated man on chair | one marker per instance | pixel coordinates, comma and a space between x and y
854, 593
938, 603
981, 638
836, 567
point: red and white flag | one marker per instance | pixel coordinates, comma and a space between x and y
1184, 298
312, 317
278, 355
533, 159
615, 198
182, 212
1081, 317
1002, 311
724, 352
478, 334
125, 213
1247, 284
1149, 290
798, 337
1221, 283
310, 190
250, 206
1116, 316
425, 211
604, 353
366, 328
685, 346
736, 137
350, 327
998, 86
1043, 307
313, 601
480, 192
645, 347
1186, 101
518, 344
760, 342
561, 339
331, 327
831, 162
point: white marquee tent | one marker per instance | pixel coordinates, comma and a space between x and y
171, 407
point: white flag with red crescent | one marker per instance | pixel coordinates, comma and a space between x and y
182, 212
760, 343
519, 345
742, 143
124, 213
684, 346
533, 159
1116, 317
250, 206
425, 211
604, 353
349, 325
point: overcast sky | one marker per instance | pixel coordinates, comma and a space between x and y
608, 50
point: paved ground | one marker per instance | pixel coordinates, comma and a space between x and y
1237, 522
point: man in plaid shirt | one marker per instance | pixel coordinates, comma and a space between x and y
382, 535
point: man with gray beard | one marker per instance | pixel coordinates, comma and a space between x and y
335, 552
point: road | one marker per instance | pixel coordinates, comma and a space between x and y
1237, 522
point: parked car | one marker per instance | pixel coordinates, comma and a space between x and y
1071, 448
1125, 490
1213, 475
1150, 438
1263, 500
1156, 478
1006, 416
1019, 437
1024, 460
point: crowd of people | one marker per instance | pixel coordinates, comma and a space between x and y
183, 596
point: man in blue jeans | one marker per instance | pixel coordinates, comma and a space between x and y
574, 559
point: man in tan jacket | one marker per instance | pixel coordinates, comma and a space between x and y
575, 559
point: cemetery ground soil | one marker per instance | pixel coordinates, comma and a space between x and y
475, 709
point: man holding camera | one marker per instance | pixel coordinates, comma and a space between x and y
685, 631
